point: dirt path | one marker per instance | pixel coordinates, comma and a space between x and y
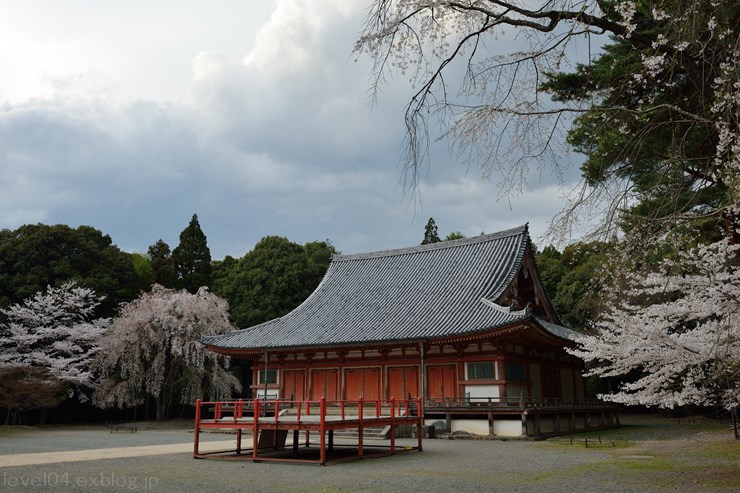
14, 460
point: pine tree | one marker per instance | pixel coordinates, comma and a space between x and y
430, 232
193, 258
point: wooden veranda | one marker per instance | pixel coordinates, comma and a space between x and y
269, 422
540, 417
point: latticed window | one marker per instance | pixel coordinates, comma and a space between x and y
478, 370
269, 376
515, 371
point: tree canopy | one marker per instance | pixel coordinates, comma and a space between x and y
160, 257
576, 280
272, 279
33, 257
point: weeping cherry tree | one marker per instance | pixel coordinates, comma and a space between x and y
155, 351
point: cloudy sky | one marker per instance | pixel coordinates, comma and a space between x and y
131, 116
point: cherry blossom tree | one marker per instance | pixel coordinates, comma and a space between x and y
56, 334
654, 104
154, 350
679, 327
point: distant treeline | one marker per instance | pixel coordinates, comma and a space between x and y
265, 283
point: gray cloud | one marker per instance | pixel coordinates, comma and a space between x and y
280, 142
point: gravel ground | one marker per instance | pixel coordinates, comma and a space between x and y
691, 458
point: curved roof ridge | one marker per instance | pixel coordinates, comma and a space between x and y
434, 246
426, 291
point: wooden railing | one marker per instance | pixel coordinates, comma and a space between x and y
271, 416
221, 411
513, 403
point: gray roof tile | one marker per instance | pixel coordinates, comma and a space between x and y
422, 292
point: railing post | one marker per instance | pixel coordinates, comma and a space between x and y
360, 427
196, 432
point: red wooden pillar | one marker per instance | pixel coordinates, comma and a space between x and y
322, 431
420, 426
238, 415
360, 428
308, 412
393, 426
277, 415
256, 429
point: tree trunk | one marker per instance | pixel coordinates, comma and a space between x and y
159, 402
734, 422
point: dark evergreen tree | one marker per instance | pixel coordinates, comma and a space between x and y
193, 258
321, 253
272, 279
574, 280
163, 264
35, 256
430, 232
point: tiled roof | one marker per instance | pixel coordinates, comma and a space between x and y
423, 292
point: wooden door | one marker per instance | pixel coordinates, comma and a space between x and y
403, 381
324, 384
441, 382
294, 384
362, 382
550, 383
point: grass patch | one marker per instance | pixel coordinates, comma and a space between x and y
721, 449
665, 454
15, 429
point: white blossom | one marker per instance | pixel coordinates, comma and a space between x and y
626, 11
56, 331
680, 328
654, 63
155, 350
